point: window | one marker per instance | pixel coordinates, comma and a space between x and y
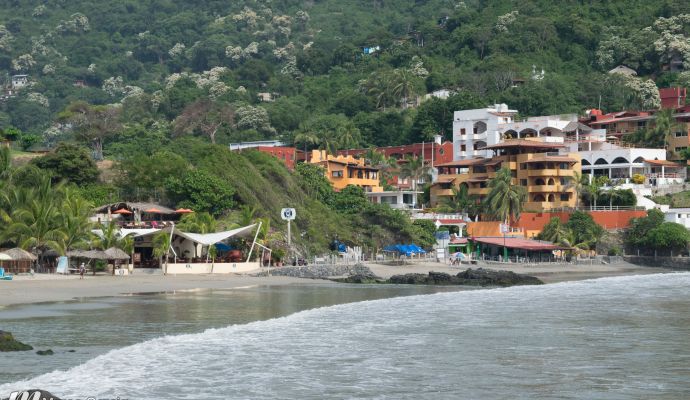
641, 124
565, 196
337, 174
463, 147
679, 149
513, 174
523, 166
523, 182
681, 134
564, 166
462, 131
562, 181
440, 151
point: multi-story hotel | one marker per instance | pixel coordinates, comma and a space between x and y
535, 165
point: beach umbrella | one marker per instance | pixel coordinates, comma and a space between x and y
184, 211
5, 257
153, 210
122, 211
18, 254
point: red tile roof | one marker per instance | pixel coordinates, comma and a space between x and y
665, 163
517, 243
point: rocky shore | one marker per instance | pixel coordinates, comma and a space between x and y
363, 274
470, 277
34, 394
9, 343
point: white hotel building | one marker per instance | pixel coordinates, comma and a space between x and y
475, 129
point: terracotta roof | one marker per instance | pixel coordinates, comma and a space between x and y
552, 159
462, 163
517, 243
665, 163
524, 143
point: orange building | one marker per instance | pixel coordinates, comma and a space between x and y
535, 165
342, 171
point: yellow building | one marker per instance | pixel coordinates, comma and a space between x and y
537, 166
347, 170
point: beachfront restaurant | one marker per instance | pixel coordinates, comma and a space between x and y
516, 249
190, 253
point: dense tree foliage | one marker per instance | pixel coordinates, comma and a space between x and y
69, 162
203, 65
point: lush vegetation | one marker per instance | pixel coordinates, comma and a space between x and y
580, 231
651, 235
111, 74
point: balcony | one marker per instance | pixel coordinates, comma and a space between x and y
479, 191
543, 188
442, 192
542, 172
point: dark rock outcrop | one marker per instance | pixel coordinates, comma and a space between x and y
48, 352
9, 343
359, 278
490, 277
470, 277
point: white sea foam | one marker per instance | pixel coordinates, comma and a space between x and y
608, 338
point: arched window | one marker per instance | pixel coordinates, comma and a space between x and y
479, 127
528, 133
619, 160
600, 161
551, 182
539, 198
551, 197
479, 145
585, 162
638, 160
510, 134
539, 181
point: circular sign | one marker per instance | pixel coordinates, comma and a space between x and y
288, 214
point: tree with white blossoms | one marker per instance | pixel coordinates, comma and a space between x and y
505, 20
177, 50
6, 39
672, 41
417, 68
205, 117
38, 98
249, 117
114, 86
23, 63
645, 91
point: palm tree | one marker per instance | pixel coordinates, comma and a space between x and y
505, 200
388, 166
161, 248
200, 222
557, 232
415, 169
348, 136
403, 85
578, 183
594, 188
306, 138
74, 222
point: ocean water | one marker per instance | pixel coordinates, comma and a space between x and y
611, 338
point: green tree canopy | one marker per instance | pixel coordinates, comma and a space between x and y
201, 191
69, 162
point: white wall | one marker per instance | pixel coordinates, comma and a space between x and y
218, 268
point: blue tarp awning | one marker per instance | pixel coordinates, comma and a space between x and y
405, 249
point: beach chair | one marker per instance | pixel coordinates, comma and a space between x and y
4, 277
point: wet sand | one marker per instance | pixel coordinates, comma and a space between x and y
50, 288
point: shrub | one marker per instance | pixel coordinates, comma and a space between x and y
638, 179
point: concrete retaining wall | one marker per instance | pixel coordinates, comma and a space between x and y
679, 263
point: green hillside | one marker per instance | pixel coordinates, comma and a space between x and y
164, 55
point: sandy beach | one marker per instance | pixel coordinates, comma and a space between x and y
50, 288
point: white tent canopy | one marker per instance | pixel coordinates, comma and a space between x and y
208, 239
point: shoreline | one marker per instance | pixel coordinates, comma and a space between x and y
57, 288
